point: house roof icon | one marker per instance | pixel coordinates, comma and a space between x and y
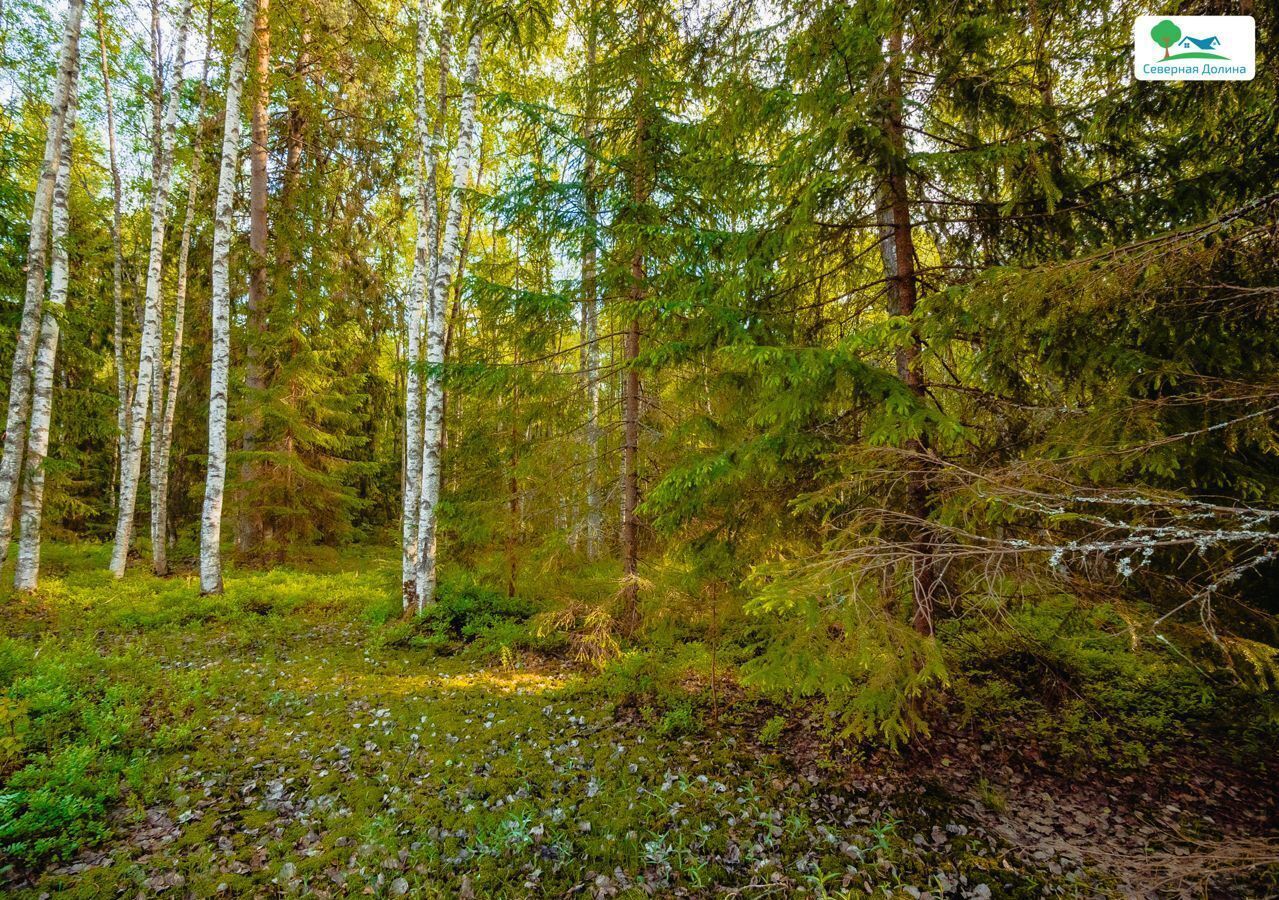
1208, 43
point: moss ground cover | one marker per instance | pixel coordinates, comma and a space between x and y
290, 737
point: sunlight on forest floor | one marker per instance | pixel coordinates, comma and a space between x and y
480, 683
263, 742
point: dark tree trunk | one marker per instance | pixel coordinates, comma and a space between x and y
904, 293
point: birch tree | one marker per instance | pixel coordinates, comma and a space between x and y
15, 435
162, 443
424, 266
28, 567
417, 309
144, 393
215, 480
434, 410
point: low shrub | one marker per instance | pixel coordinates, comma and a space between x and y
664, 676
680, 720
771, 732
873, 676
468, 617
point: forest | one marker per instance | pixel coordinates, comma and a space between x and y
649, 448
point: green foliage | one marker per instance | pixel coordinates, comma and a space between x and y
680, 720
83, 722
1165, 33
73, 735
1089, 366
1254, 663
635, 675
13, 731
771, 732
467, 615
873, 672
1072, 676
662, 674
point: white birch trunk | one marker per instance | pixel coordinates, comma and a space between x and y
160, 468
417, 309
150, 349
158, 564
28, 566
215, 481
433, 421
15, 435
117, 259
413, 416
426, 264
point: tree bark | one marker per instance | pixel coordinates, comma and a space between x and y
151, 343
250, 523
215, 480
428, 217
15, 435
513, 525
630, 458
160, 465
631, 384
433, 419
590, 304
904, 292
455, 310
27, 571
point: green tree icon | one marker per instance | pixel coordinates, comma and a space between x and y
1166, 33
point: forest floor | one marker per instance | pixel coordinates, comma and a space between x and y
265, 743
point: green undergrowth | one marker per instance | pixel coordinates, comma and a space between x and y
73, 740
1083, 684
298, 734
86, 705
470, 618
1093, 688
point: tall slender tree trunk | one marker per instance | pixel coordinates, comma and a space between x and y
15, 435
28, 567
455, 310
282, 280
428, 217
157, 99
434, 410
590, 304
117, 258
155, 440
631, 383
904, 292
250, 522
151, 344
215, 480
164, 445
513, 525
630, 457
